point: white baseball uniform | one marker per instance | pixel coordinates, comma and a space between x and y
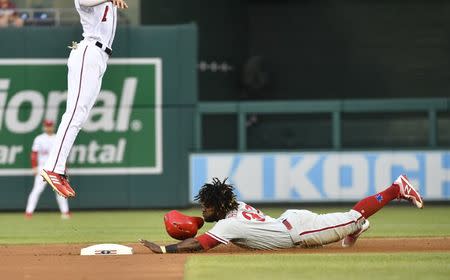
250, 228
42, 145
86, 66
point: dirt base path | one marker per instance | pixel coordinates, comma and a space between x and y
64, 261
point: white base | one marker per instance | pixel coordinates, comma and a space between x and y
106, 250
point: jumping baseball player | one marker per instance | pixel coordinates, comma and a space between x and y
86, 66
245, 226
42, 145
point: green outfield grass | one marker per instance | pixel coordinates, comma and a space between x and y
128, 226
320, 266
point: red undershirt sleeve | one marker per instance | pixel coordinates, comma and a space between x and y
207, 242
34, 159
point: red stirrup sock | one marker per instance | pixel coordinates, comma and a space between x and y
371, 204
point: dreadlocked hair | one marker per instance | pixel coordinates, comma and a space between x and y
219, 195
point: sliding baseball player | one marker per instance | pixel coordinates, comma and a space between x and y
248, 227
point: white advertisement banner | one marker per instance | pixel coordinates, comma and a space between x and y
322, 176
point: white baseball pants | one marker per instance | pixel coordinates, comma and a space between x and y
311, 229
86, 66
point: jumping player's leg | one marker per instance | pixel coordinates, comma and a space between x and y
86, 64
84, 83
34, 195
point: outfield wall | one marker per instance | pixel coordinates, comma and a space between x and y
322, 176
133, 150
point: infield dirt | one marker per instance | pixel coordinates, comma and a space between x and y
64, 261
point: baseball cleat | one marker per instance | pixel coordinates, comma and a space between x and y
69, 189
408, 192
58, 183
350, 240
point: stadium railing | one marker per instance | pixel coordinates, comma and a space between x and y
334, 107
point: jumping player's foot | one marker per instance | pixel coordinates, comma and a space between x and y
408, 192
350, 240
28, 216
59, 183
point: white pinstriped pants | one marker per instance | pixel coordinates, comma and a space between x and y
311, 229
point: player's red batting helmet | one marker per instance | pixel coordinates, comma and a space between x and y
180, 226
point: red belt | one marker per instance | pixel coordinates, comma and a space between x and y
287, 224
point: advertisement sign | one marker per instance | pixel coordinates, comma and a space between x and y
322, 176
122, 135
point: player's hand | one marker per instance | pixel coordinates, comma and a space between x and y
152, 246
121, 4
35, 171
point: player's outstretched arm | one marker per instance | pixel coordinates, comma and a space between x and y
189, 245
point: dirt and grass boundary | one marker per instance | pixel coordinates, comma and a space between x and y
63, 261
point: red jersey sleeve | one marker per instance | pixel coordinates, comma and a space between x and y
207, 241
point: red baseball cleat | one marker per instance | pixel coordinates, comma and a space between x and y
28, 216
408, 192
68, 187
350, 240
58, 183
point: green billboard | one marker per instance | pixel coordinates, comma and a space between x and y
122, 135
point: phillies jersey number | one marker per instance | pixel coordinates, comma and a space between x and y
251, 213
